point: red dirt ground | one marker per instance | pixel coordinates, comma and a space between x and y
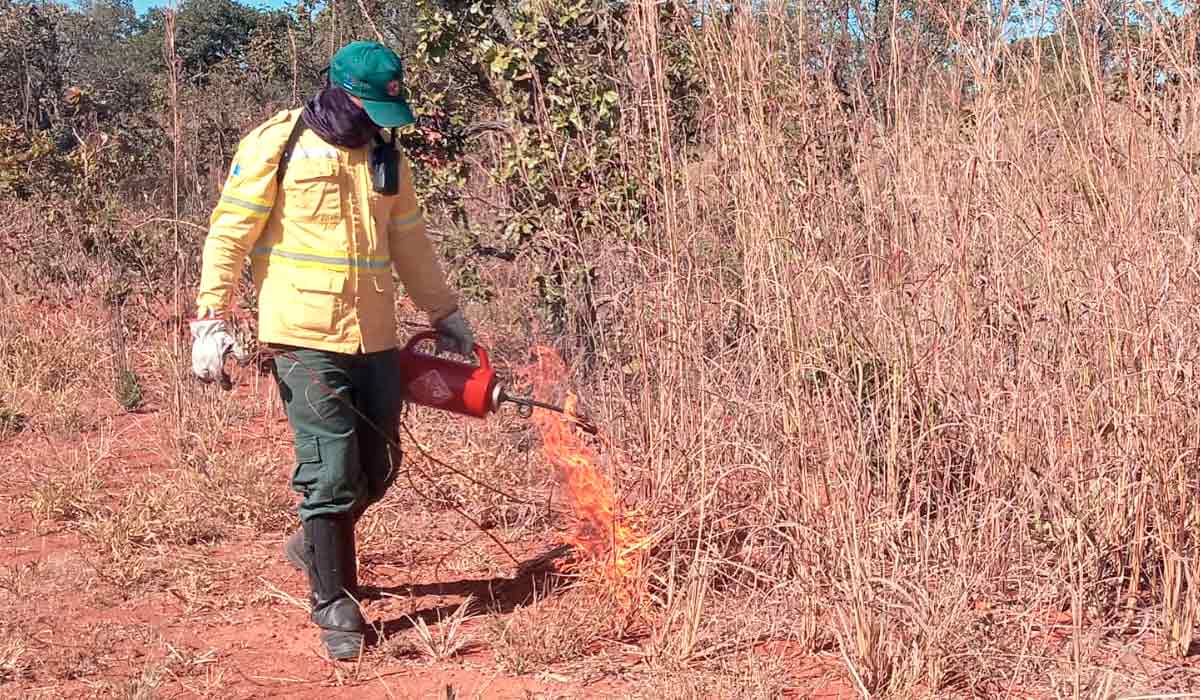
222, 620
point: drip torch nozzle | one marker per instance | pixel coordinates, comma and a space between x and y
527, 405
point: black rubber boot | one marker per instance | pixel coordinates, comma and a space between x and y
333, 577
295, 550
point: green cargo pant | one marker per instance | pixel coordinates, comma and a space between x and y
343, 463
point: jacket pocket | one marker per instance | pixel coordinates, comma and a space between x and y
382, 284
317, 293
312, 191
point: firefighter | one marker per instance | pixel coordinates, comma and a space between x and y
323, 235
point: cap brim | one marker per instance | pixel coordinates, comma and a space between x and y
390, 114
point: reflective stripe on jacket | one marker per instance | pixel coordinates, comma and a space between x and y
322, 244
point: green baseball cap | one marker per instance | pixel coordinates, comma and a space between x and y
373, 73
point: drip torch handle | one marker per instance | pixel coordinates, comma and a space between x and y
481, 354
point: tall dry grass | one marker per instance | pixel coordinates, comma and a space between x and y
925, 364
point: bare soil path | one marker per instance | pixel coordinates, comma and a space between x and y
125, 572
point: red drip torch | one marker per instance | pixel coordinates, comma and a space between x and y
461, 387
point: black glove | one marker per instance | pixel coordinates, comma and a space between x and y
455, 335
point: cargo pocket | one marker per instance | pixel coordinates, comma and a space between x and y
317, 293
312, 191
308, 465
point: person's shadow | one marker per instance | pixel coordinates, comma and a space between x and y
535, 578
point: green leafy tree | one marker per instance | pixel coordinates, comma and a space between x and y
208, 32
538, 86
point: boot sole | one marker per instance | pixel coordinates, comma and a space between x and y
342, 646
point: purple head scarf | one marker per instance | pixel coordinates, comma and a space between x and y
337, 120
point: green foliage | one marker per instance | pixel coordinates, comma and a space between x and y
129, 390
538, 85
95, 139
12, 421
98, 44
30, 53
25, 160
533, 91
207, 33
550, 74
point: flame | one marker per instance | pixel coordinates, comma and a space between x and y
609, 540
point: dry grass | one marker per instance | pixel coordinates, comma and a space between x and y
52, 369
68, 486
551, 633
445, 638
188, 509
744, 675
919, 354
915, 361
14, 660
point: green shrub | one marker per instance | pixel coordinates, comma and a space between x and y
129, 390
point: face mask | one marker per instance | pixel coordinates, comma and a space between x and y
337, 120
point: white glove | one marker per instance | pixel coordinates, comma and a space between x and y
454, 334
211, 340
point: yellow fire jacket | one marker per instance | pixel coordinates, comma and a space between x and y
322, 244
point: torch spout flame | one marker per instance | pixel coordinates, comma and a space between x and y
609, 541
